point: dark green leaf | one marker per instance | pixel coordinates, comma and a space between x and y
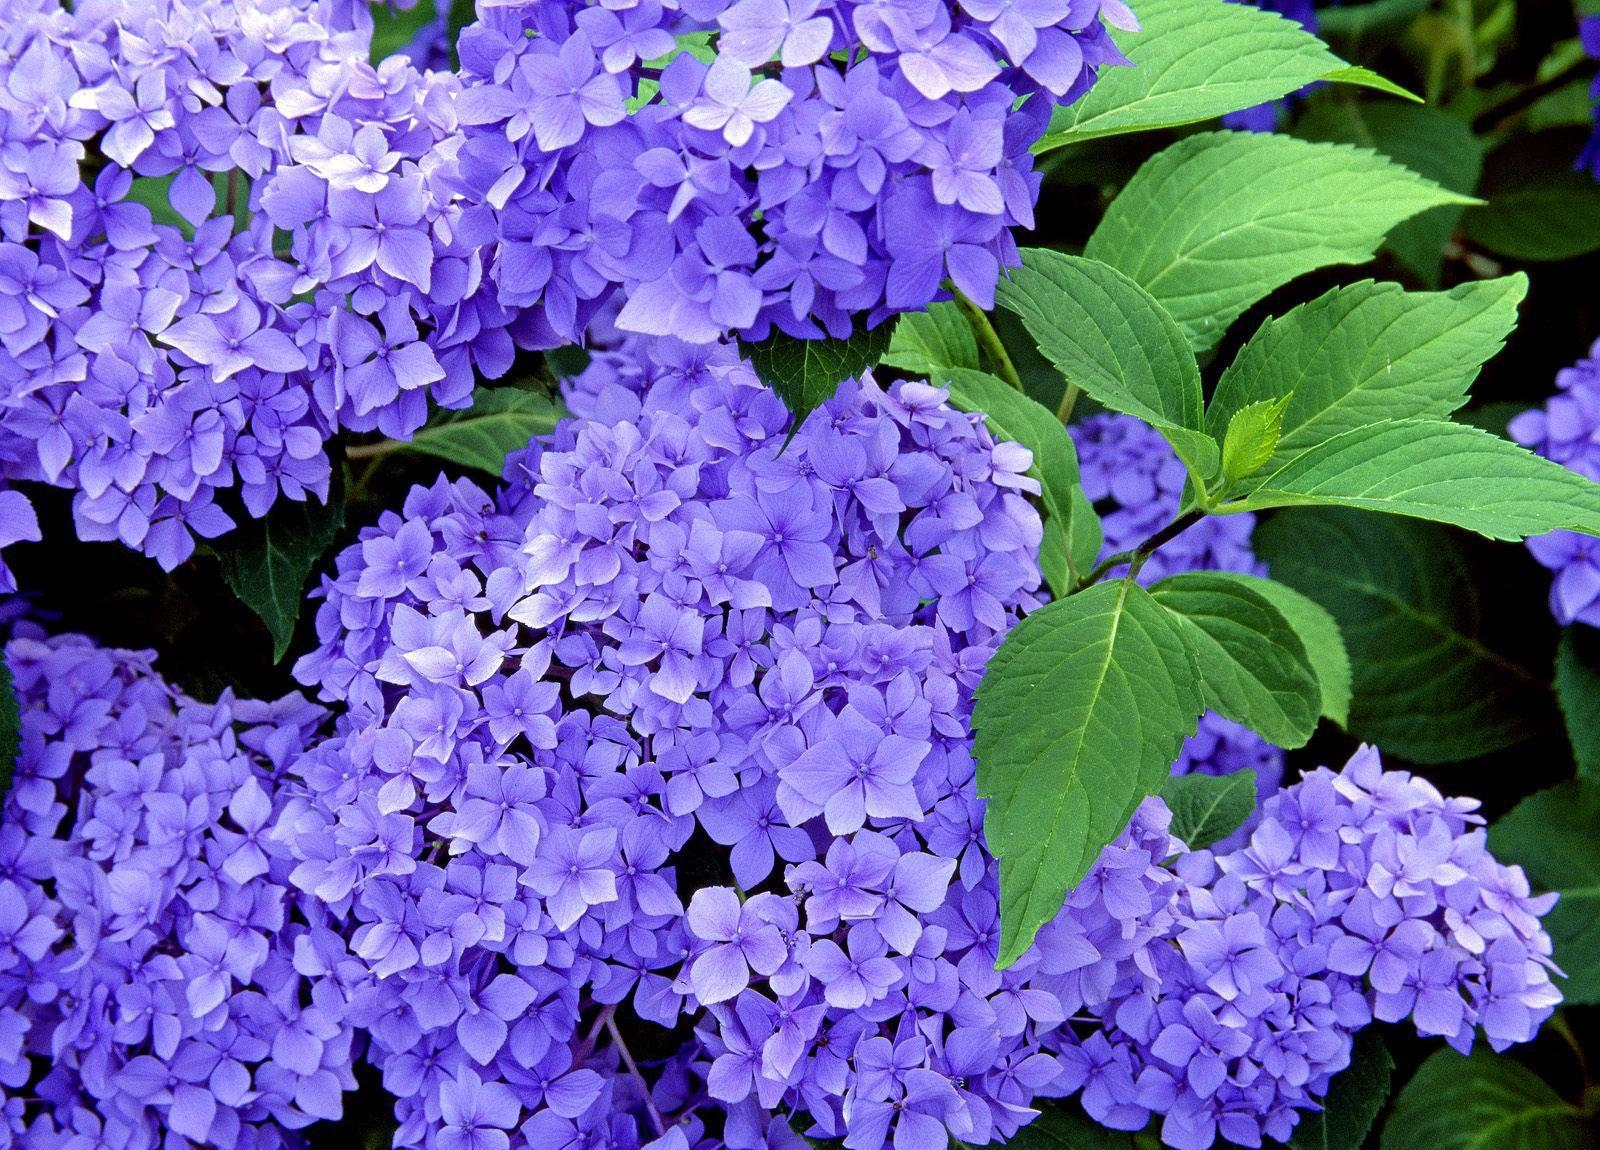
1105, 334
806, 372
929, 342
10, 728
1253, 667
1429, 142
1066, 1127
1357, 1094
1428, 684
1552, 835
1539, 208
1482, 1102
1195, 60
267, 561
394, 28
1208, 808
1078, 717
1367, 353
1012, 415
501, 420
1446, 472
1218, 220
1578, 692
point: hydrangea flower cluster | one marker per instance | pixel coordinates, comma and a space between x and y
674, 731
1589, 35
727, 166
1567, 430
160, 979
1135, 480
308, 280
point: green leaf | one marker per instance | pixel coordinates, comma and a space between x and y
1430, 684
1064, 1126
1252, 436
1319, 635
1208, 808
1356, 1095
1429, 142
1078, 718
1578, 692
1382, 19
1219, 220
10, 727
929, 342
1366, 353
1012, 415
1253, 667
393, 28
1539, 208
501, 420
1551, 835
806, 372
1105, 334
1429, 469
1195, 60
1482, 1102
267, 561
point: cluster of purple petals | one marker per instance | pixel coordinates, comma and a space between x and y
1363, 895
727, 166
1136, 482
177, 374
1589, 34
1265, 117
1567, 430
161, 982
672, 733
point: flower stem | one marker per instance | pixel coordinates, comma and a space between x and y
633, 1070
989, 340
1136, 558
1069, 400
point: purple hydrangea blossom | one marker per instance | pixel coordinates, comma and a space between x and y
781, 165
1567, 430
160, 979
1589, 35
843, 973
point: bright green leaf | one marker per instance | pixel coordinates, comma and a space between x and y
1430, 142
267, 561
1208, 808
1367, 353
1446, 472
1195, 60
1319, 635
1482, 1102
1357, 1094
1078, 718
1253, 667
806, 372
1252, 436
929, 342
1219, 220
1578, 692
501, 420
1105, 334
1430, 683
1551, 835
1012, 415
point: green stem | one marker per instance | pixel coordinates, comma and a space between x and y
990, 340
1524, 98
633, 1072
1069, 399
1136, 558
